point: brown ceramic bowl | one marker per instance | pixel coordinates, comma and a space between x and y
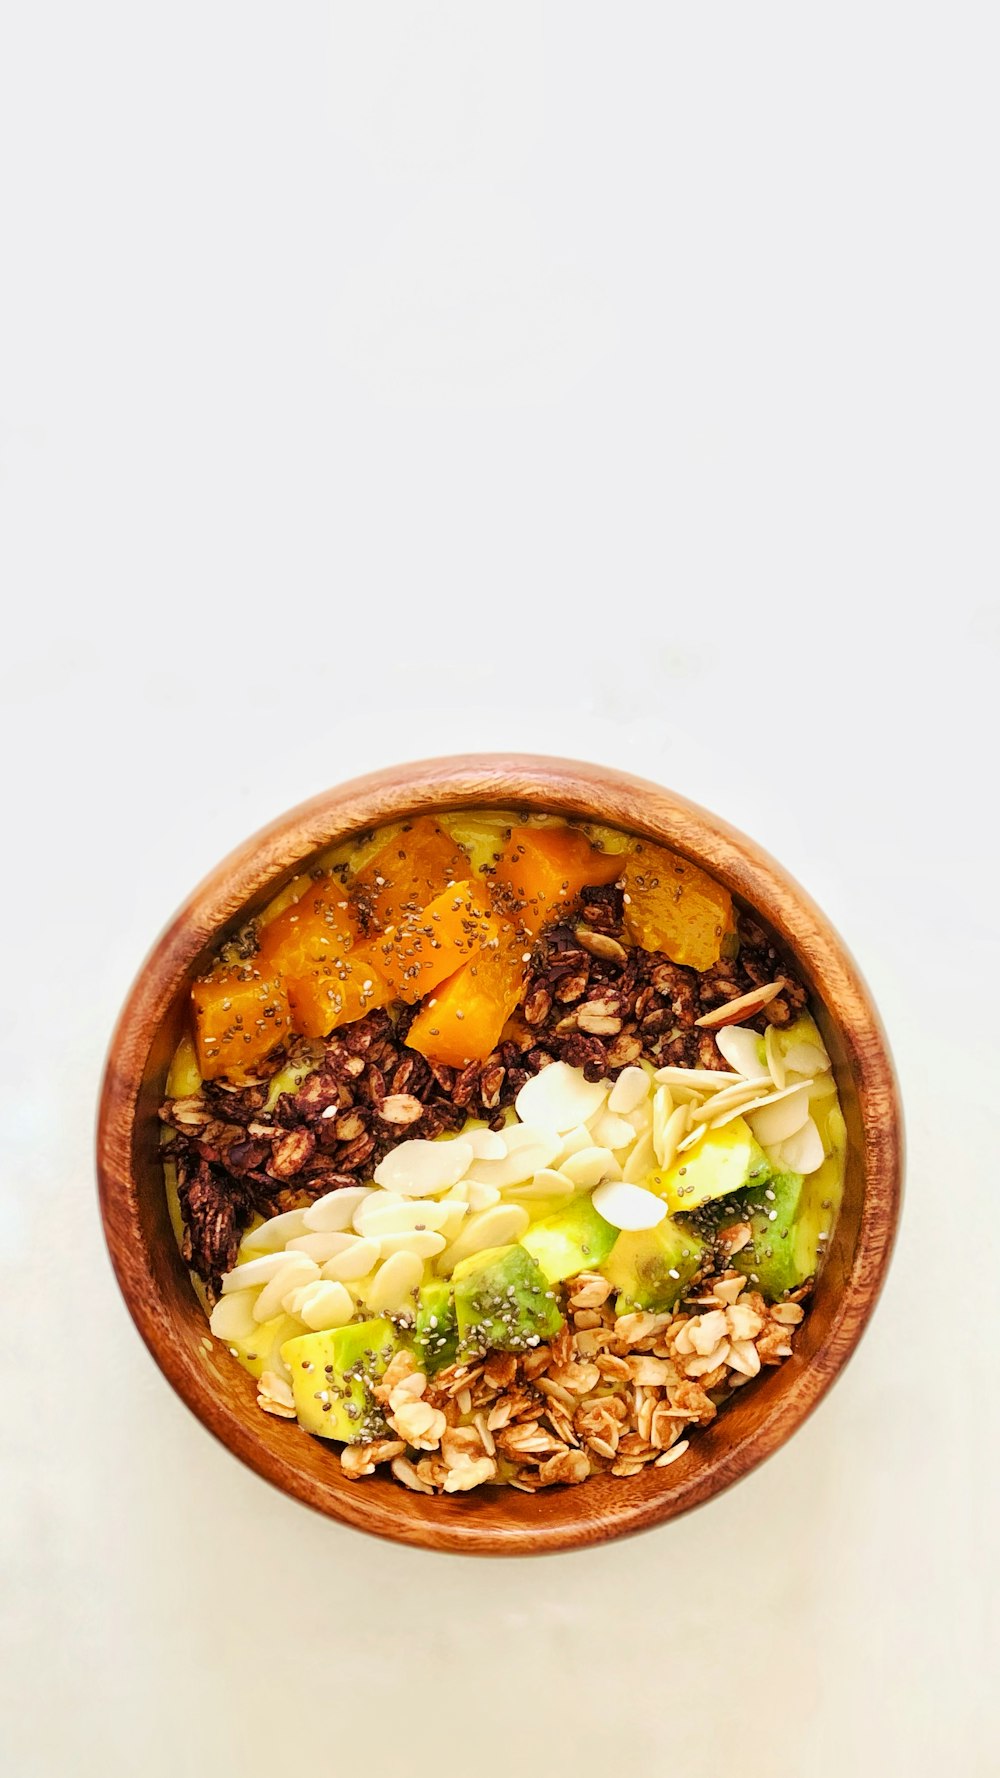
494, 1521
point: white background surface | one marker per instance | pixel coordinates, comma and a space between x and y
383, 381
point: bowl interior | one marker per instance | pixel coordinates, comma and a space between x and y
158, 1290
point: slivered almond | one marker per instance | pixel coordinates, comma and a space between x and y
749, 1106
694, 1136
746, 1006
672, 1455
676, 1127
702, 1080
775, 1059
731, 1097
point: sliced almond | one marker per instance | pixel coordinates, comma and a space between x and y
486, 1145
297, 1270
572, 1142
803, 1152
527, 1147
590, 1167
692, 1137
482, 1197
641, 1161
750, 1106
457, 1209
731, 1099
774, 1056
674, 1131
611, 1131
337, 1210
741, 1049
274, 1234
709, 1080
663, 1109
547, 1184
419, 1168
786, 1113
320, 1305
394, 1282
488, 1228
559, 1097
254, 1272
356, 1261
425, 1243
745, 1006
806, 1057
321, 1247
233, 1318
395, 1215
629, 1090
628, 1206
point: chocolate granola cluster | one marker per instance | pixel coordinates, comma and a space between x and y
591, 999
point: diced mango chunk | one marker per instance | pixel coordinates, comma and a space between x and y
431, 944
241, 1014
543, 869
318, 927
407, 873
462, 1020
328, 975
331, 994
674, 907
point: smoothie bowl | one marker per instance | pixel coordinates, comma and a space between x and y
499, 1154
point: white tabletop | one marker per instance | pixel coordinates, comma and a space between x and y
616, 382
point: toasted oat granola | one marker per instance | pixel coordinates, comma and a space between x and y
628, 1398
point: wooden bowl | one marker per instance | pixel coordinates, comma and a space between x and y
494, 1521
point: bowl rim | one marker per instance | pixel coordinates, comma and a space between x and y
515, 781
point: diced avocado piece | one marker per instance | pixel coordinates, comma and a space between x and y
723, 1162
476, 1261
259, 1351
573, 1239
651, 1267
340, 1365
435, 1330
823, 1191
791, 1219
770, 1260
505, 1304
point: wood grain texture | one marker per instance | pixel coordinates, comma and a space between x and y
494, 1521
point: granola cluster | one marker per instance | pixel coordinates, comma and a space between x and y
591, 1000
611, 1393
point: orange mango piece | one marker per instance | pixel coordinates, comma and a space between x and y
328, 975
462, 1020
543, 869
407, 873
425, 947
241, 1013
674, 907
317, 928
335, 992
